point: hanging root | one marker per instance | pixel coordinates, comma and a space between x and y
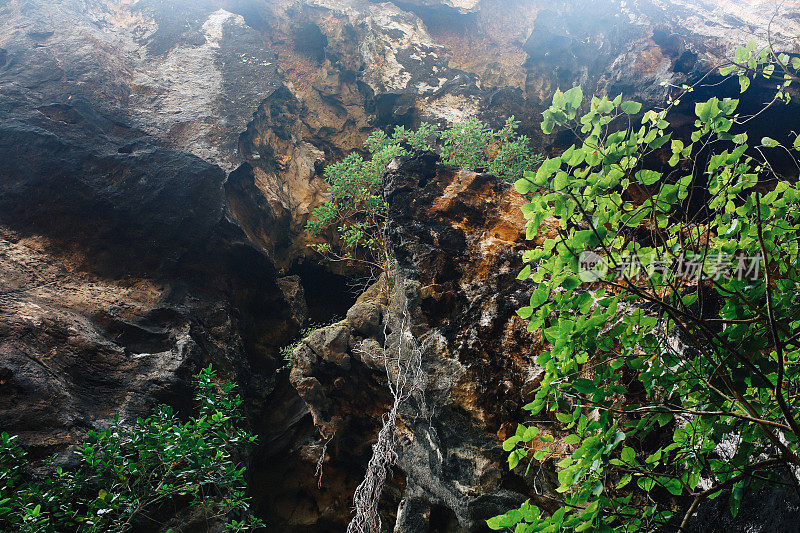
321, 462
405, 377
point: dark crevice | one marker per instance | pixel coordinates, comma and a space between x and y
328, 295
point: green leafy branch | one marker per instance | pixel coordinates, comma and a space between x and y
125, 477
653, 380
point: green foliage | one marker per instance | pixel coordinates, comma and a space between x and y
287, 352
749, 63
642, 418
356, 212
472, 145
128, 476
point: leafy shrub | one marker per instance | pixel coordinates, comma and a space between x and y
287, 352
356, 212
472, 145
127, 477
655, 381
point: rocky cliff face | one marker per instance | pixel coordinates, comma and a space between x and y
123, 273
159, 159
457, 238
350, 66
124, 270
184, 72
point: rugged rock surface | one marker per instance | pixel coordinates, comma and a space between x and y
124, 271
457, 238
354, 65
191, 74
350, 67
185, 72
632, 47
122, 275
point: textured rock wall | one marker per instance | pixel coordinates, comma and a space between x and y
457, 238
159, 158
353, 65
122, 275
124, 271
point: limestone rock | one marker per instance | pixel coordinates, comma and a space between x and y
186, 72
292, 289
124, 272
457, 238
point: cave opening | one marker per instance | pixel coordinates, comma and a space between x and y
328, 295
442, 520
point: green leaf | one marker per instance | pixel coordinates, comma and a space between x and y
769, 142
540, 295
646, 483
707, 111
574, 97
631, 108
525, 312
673, 486
586, 386
548, 168
511, 443
507, 520
648, 177
564, 418
530, 433
513, 459
742, 55
561, 181
523, 186
744, 83
628, 454
661, 141
624, 481
735, 499
654, 457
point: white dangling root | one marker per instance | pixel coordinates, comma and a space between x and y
408, 379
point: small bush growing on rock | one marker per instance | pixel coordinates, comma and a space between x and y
673, 360
472, 145
356, 212
125, 478
287, 352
